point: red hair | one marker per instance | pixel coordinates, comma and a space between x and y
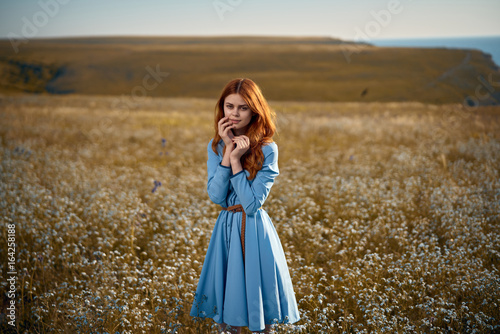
261, 128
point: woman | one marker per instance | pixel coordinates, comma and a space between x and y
244, 280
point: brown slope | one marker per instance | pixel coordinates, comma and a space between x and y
304, 69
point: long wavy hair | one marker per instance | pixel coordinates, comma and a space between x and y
261, 128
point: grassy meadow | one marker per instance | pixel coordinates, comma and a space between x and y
388, 214
298, 69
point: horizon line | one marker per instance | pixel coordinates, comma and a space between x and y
251, 36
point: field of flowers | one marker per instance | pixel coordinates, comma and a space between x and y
388, 214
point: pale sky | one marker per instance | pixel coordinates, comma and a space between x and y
349, 20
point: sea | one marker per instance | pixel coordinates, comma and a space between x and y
489, 44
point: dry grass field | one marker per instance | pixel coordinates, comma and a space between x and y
293, 69
388, 214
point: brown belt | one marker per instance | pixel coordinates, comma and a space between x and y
239, 208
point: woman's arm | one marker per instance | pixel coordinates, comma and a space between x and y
218, 177
227, 136
242, 145
219, 171
253, 196
226, 160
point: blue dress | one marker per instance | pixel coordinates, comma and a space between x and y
259, 290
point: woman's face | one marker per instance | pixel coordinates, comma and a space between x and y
239, 113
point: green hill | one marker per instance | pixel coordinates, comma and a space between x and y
301, 69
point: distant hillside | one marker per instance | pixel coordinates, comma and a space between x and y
302, 69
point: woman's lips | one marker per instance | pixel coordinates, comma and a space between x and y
235, 121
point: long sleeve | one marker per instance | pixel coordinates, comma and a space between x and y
218, 177
252, 195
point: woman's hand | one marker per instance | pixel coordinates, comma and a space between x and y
225, 126
242, 145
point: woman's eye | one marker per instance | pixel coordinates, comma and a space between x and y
229, 107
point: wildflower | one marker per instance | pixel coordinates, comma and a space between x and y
157, 184
163, 144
